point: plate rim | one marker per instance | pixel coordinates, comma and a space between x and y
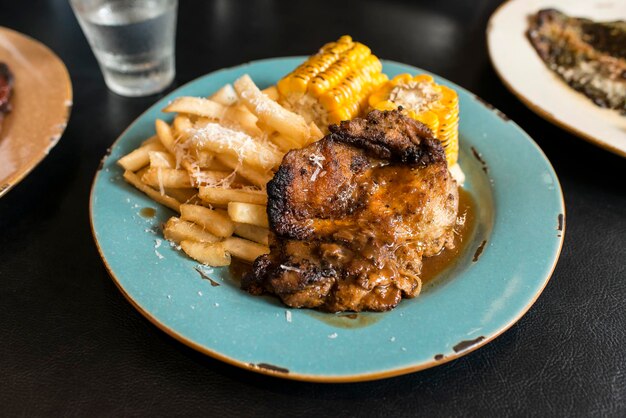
20, 174
537, 108
321, 378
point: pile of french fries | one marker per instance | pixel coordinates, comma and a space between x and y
211, 165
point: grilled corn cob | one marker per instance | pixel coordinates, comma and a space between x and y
422, 99
334, 84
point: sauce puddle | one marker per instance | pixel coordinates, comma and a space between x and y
433, 266
147, 212
238, 269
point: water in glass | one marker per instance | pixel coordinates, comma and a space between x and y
133, 41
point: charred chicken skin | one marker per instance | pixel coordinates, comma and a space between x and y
352, 215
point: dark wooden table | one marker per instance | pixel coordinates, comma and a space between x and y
70, 344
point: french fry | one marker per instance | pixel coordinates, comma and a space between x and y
164, 133
208, 177
181, 126
271, 92
315, 133
141, 172
161, 159
150, 140
282, 142
234, 138
248, 213
217, 165
196, 106
220, 140
252, 174
270, 112
220, 195
199, 159
167, 177
211, 254
223, 212
183, 195
165, 200
178, 230
140, 157
241, 117
253, 233
226, 96
215, 222
244, 249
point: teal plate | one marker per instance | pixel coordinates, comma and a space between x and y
512, 251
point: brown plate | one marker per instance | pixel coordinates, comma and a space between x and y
41, 105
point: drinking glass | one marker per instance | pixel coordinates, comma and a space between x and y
133, 41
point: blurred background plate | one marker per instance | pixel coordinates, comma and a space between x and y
41, 105
509, 257
524, 73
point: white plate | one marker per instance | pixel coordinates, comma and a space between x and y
526, 75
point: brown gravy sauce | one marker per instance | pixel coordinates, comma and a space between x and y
432, 267
435, 265
238, 269
147, 212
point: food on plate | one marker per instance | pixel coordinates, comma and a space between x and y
338, 222
353, 214
589, 56
6, 90
424, 100
334, 84
211, 165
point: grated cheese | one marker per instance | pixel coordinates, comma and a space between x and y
260, 106
317, 159
315, 173
224, 138
219, 139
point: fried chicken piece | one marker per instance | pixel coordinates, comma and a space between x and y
353, 214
